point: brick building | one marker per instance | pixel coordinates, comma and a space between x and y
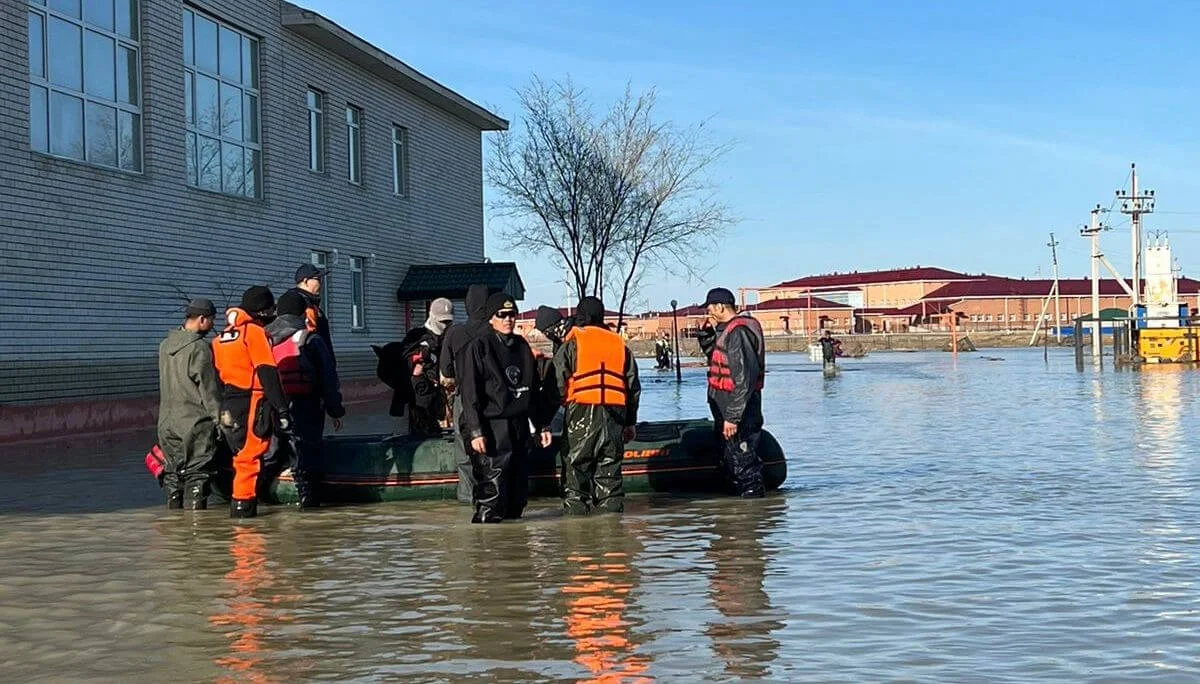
155, 149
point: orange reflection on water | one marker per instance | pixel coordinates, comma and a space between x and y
596, 621
246, 613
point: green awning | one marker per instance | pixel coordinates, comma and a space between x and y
1107, 315
429, 281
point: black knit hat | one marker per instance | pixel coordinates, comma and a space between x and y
590, 312
257, 299
291, 302
499, 302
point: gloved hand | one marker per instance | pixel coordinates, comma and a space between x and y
284, 422
706, 336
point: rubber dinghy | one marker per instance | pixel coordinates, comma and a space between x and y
680, 456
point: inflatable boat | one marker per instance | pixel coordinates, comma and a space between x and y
680, 457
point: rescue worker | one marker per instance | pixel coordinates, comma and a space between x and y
737, 363
422, 347
253, 406
458, 337
309, 280
662, 352
498, 381
189, 407
311, 384
830, 349
602, 395
555, 327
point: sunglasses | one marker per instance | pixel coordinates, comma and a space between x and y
506, 314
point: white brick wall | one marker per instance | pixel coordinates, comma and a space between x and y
90, 257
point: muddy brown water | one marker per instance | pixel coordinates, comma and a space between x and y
944, 520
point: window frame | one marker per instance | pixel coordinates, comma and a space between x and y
317, 158
400, 161
192, 129
42, 81
358, 310
354, 144
322, 259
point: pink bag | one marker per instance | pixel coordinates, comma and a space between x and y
156, 462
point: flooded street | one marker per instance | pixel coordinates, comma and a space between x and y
943, 520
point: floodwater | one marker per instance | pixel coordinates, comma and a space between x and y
944, 520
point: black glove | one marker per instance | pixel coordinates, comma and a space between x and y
706, 336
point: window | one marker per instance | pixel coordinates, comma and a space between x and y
400, 160
84, 81
357, 294
321, 260
220, 95
316, 131
989, 318
354, 144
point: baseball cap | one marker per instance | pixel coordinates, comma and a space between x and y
307, 271
441, 309
720, 295
201, 307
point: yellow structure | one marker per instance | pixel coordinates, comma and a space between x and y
1169, 345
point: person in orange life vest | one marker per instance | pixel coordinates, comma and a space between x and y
736, 352
602, 393
253, 406
309, 280
189, 407
311, 384
498, 381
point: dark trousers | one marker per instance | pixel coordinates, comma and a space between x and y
592, 454
189, 457
466, 471
742, 464
302, 451
502, 472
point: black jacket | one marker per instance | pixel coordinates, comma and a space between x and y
743, 405
316, 362
322, 321
424, 347
498, 379
459, 335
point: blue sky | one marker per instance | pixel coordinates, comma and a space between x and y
865, 134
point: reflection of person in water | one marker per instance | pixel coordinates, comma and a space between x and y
247, 611
601, 558
744, 638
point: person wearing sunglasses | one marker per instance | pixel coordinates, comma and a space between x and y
498, 383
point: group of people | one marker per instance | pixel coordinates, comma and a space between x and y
259, 392
266, 384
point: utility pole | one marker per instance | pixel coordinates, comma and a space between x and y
1053, 245
1135, 204
1093, 231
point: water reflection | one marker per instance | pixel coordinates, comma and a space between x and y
246, 614
600, 568
743, 638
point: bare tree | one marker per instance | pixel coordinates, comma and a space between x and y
610, 195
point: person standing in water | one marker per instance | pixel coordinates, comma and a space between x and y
830, 349
498, 381
736, 351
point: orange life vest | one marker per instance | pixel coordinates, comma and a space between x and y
240, 349
720, 378
599, 378
296, 382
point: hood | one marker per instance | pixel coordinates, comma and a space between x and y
180, 339
284, 327
476, 302
438, 328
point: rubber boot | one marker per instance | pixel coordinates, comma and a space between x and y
304, 493
175, 500
243, 508
198, 499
